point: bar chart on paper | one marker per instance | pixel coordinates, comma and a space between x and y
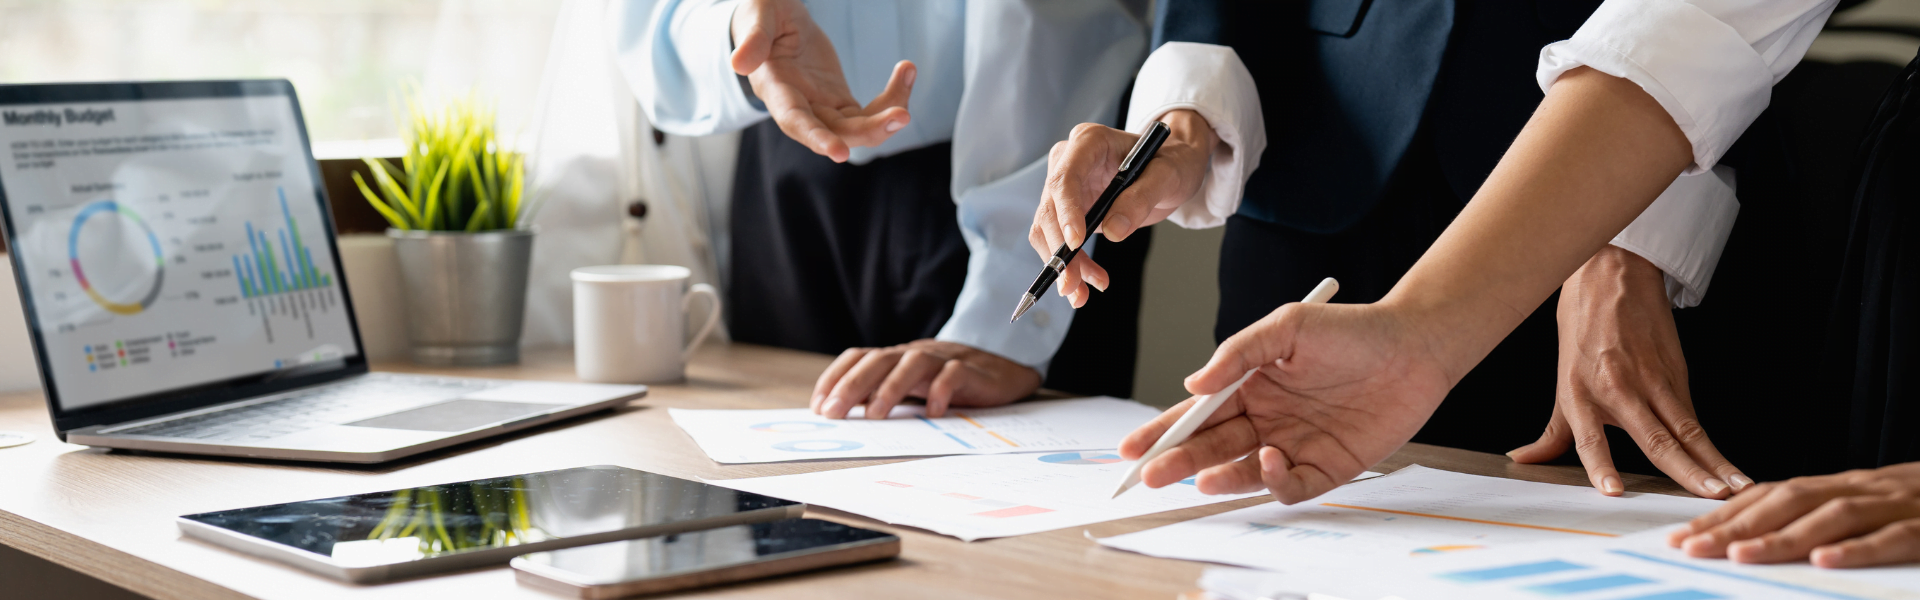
757, 436
1642, 567
1414, 514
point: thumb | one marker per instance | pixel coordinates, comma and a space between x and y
754, 25
1261, 344
1557, 439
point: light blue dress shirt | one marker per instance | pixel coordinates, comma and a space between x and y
1001, 79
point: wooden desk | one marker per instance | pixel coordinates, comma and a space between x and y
109, 515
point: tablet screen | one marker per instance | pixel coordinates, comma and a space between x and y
398, 526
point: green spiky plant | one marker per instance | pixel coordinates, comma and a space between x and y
456, 174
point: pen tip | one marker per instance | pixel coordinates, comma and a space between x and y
1026, 302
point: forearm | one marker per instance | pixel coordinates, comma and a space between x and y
1595, 154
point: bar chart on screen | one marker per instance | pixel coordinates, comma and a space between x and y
285, 283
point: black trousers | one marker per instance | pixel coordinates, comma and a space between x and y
828, 256
1501, 405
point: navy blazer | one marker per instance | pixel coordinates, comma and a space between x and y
1348, 86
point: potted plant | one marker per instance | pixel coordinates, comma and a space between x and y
459, 230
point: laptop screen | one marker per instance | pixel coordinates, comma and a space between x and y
166, 242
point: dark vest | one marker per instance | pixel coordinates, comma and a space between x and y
1346, 85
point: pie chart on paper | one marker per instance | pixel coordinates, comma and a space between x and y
1082, 458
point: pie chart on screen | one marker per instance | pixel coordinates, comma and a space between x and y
1082, 458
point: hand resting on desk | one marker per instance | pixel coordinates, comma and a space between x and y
1621, 364
1858, 518
945, 373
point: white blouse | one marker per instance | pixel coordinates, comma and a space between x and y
1710, 63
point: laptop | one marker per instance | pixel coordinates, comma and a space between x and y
176, 260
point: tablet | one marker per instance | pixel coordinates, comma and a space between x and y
366, 538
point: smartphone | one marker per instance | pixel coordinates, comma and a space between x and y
702, 558
369, 538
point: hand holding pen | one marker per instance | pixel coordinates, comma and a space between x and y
1082, 167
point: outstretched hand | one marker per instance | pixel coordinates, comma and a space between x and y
793, 69
1340, 387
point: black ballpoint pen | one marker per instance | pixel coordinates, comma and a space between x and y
1130, 169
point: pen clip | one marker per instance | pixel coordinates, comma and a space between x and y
1140, 143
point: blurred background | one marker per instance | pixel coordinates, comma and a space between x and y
546, 65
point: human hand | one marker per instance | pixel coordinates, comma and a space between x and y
945, 373
1853, 519
1340, 387
1078, 171
793, 68
1621, 365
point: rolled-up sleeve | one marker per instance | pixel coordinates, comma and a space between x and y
676, 55
1711, 64
1210, 80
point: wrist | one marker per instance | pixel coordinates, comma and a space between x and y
1188, 128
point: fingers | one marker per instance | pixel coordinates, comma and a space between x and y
1666, 452
1078, 275
1838, 519
791, 111
1292, 484
1554, 442
859, 383
1589, 434
1137, 443
1237, 477
832, 375
1678, 536
1265, 341
899, 89
946, 385
1085, 158
1208, 447
754, 25
1677, 414
1768, 514
914, 370
1896, 543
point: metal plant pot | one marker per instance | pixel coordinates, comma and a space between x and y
466, 294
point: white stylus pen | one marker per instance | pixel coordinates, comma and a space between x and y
1185, 426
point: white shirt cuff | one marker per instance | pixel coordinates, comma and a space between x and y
1711, 67
994, 219
1209, 80
1684, 231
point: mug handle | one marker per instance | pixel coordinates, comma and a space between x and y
713, 316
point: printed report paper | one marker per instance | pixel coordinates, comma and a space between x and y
779, 435
1632, 567
1413, 513
977, 497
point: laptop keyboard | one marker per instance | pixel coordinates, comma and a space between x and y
366, 397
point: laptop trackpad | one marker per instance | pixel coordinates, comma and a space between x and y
454, 415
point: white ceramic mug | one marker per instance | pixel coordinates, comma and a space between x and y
630, 322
